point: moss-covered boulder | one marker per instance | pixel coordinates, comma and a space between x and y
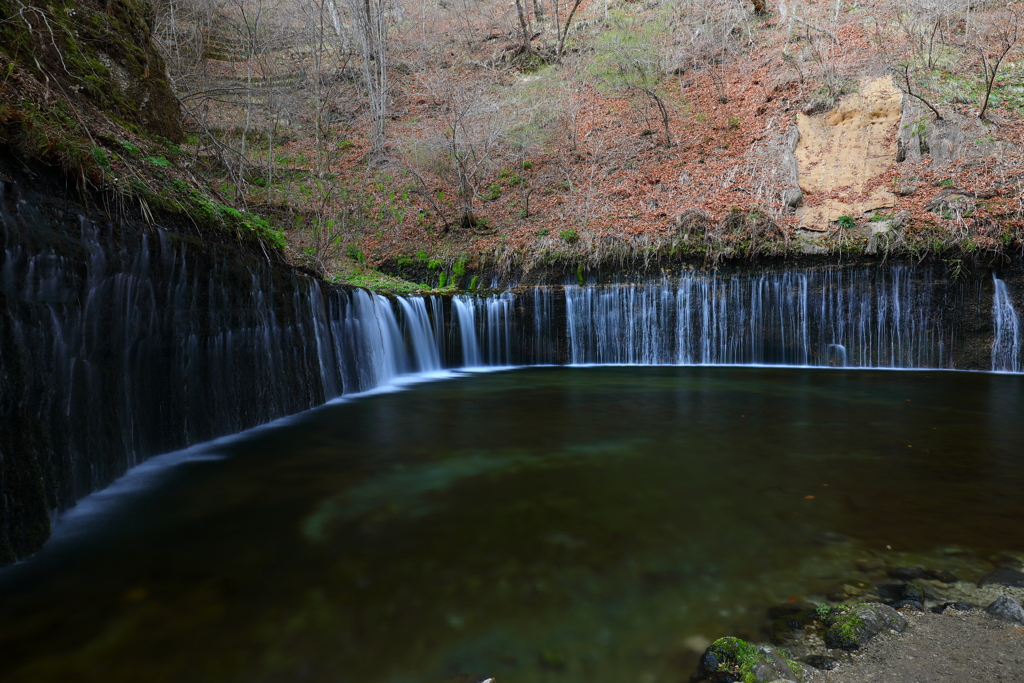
729, 660
850, 628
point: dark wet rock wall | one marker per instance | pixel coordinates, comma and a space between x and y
119, 342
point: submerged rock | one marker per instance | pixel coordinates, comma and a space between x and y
906, 573
1003, 576
870, 564
730, 660
850, 629
1008, 609
914, 592
789, 626
941, 575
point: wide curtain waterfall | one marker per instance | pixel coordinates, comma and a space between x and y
880, 317
119, 344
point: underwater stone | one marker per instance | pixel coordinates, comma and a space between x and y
943, 576
870, 564
1004, 577
906, 573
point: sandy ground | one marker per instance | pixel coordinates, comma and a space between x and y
960, 647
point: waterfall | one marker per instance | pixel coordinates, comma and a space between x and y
1006, 341
465, 314
485, 328
117, 344
499, 328
866, 318
421, 333
542, 343
438, 323
120, 343
367, 326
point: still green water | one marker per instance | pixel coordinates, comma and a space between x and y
545, 524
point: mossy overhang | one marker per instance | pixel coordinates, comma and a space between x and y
100, 50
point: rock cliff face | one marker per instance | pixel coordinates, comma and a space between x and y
841, 152
68, 68
119, 341
92, 53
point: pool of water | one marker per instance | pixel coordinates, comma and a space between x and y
542, 524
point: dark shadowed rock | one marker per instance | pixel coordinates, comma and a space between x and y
1003, 576
957, 606
788, 609
943, 576
821, 662
870, 564
1007, 609
826, 537
891, 593
914, 592
852, 628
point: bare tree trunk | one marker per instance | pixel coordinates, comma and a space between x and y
373, 36
568, 24
663, 110
339, 26
1008, 39
538, 11
522, 25
907, 88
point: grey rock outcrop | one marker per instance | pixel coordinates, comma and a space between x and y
954, 138
1007, 608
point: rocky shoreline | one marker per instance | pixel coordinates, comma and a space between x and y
917, 625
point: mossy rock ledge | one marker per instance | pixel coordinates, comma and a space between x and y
99, 50
851, 628
732, 660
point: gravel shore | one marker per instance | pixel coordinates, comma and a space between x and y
953, 647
